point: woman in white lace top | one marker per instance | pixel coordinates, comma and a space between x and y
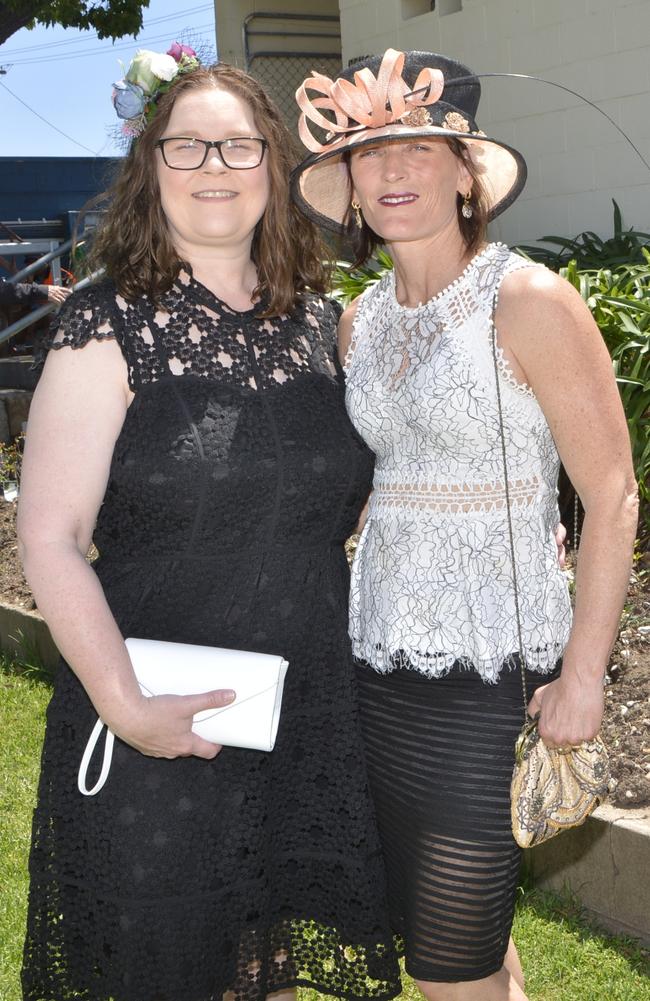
433, 621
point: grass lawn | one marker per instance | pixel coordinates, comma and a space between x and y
565, 959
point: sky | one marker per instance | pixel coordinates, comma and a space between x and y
65, 76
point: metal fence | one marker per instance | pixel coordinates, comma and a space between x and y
281, 75
281, 70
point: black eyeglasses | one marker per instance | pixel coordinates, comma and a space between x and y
186, 153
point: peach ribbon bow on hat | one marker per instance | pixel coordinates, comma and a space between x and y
372, 102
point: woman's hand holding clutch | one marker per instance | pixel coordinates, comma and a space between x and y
570, 708
161, 726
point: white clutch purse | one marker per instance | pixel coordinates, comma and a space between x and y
164, 668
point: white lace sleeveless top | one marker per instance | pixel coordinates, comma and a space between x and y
432, 579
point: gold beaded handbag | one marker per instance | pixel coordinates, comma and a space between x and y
552, 789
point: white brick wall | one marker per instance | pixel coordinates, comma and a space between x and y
577, 161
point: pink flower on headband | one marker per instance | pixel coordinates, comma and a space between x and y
177, 51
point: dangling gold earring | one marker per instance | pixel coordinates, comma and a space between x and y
467, 211
358, 218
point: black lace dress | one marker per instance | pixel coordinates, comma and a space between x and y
234, 482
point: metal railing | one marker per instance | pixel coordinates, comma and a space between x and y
49, 307
59, 251
259, 15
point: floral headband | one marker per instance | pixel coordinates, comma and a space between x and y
149, 75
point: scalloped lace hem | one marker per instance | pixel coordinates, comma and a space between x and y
384, 659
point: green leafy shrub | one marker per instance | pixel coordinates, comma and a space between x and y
10, 460
620, 304
589, 251
349, 282
613, 277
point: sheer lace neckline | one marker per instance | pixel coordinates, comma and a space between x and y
488, 251
191, 332
204, 296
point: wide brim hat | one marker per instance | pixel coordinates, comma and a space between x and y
389, 98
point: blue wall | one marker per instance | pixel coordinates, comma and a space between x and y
39, 187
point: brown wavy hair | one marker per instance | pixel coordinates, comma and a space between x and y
364, 240
133, 243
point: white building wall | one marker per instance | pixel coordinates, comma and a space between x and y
577, 161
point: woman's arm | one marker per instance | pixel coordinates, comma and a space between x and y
76, 415
22, 293
553, 344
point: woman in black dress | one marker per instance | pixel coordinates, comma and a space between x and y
197, 432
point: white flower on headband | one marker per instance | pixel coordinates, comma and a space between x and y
148, 68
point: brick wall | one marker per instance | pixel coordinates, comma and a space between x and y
577, 161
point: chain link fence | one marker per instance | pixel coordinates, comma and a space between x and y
281, 49
282, 73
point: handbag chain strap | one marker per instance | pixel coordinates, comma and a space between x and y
511, 536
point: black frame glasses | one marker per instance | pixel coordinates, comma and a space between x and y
220, 145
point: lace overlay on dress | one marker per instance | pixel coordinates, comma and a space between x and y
454, 498
432, 583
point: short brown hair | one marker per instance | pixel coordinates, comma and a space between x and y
364, 240
133, 242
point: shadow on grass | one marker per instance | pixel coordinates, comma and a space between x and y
565, 909
26, 665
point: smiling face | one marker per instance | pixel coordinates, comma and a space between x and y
408, 189
213, 206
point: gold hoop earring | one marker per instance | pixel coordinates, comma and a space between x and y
358, 218
467, 211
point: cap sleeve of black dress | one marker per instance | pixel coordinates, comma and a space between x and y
90, 315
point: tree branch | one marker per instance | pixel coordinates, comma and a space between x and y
114, 20
12, 21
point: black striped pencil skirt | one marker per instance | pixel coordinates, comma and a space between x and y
440, 753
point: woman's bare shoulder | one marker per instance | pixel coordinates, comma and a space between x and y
539, 289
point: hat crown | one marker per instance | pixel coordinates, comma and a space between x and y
462, 96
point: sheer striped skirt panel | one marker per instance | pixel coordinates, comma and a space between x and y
440, 753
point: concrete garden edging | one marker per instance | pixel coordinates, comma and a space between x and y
24, 634
605, 863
